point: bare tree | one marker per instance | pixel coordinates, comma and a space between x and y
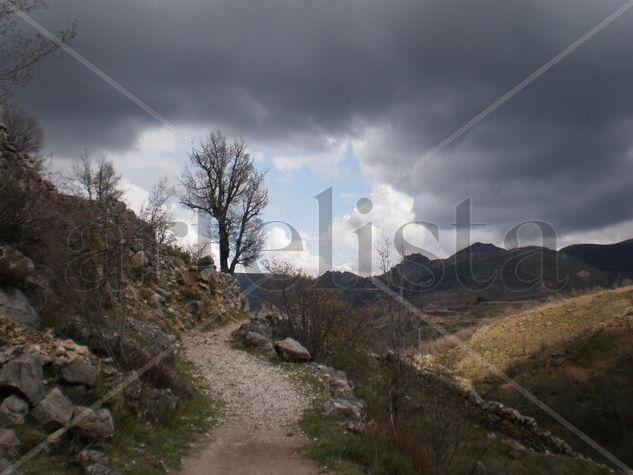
154, 211
222, 182
20, 52
97, 181
23, 130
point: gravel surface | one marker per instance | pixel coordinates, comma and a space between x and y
263, 405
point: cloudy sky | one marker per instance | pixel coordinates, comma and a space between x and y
348, 94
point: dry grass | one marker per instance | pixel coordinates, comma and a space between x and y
512, 339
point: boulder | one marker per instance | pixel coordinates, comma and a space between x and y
7, 354
340, 388
14, 266
260, 342
94, 425
8, 440
24, 373
55, 408
15, 306
139, 260
344, 410
206, 261
206, 275
13, 411
149, 336
80, 372
291, 350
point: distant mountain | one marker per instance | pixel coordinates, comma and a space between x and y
607, 257
482, 272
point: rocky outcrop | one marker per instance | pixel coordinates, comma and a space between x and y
14, 305
344, 410
8, 440
24, 374
94, 425
55, 408
291, 350
80, 372
13, 411
14, 266
260, 342
492, 415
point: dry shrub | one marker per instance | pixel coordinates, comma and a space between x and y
445, 343
318, 318
158, 373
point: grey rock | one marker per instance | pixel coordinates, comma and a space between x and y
15, 306
180, 278
206, 261
206, 275
149, 335
14, 266
291, 350
139, 260
340, 388
55, 408
95, 425
13, 411
7, 354
162, 292
8, 440
24, 374
80, 372
5, 467
344, 410
256, 339
260, 342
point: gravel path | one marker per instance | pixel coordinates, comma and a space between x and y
259, 432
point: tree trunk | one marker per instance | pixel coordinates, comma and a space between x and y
224, 251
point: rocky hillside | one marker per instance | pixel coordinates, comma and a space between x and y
615, 258
573, 354
480, 273
91, 312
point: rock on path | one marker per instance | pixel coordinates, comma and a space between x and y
259, 432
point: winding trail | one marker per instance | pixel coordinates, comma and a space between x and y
259, 431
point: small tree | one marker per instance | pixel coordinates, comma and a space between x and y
19, 52
222, 182
23, 130
154, 211
97, 181
318, 318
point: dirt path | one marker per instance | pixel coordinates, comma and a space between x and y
259, 432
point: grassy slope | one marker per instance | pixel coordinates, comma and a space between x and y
588, 381
515, 338
575, 355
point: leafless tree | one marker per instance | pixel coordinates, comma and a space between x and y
154, 211
97, 181
223, 183
23, 130
19, 51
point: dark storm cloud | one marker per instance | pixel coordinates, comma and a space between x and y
398, 76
